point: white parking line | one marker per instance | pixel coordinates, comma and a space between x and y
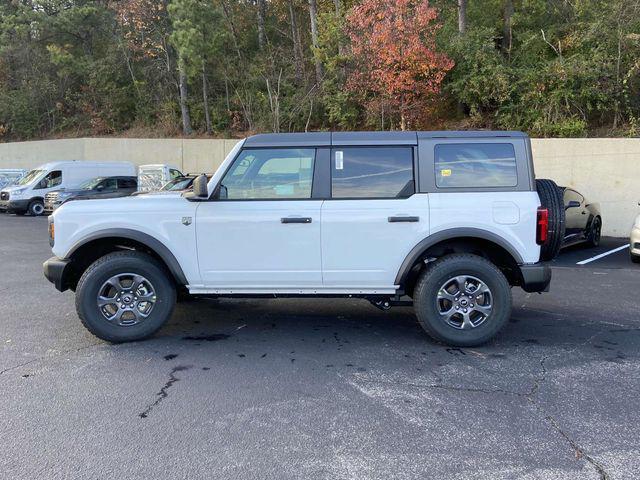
597, 257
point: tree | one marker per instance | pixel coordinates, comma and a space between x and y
397, 65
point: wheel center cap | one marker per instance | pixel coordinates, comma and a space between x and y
127, 298
463, 302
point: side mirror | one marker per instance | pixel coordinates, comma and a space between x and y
100, 188
572, 204
200, 189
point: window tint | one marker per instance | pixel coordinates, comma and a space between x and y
475, 165
52, 180
173, 173
371, 172
127, 183
572, 195
270, 173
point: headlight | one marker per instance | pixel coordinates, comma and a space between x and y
17, 193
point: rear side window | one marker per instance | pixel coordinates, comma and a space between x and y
372, 172
475, 165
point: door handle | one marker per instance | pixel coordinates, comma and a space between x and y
403, 218
295, 220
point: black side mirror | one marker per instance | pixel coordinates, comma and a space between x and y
572, 204
99, 188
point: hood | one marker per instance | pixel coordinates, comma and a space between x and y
123, 205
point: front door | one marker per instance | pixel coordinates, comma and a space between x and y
373, 219
262, 231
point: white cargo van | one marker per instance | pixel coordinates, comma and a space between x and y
27, 195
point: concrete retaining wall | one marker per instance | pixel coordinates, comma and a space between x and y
605, 170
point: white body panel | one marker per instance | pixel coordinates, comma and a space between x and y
159, 216
244, 244
509, 215
361, 248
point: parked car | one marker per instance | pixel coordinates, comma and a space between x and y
179, 183
583, 220
27, 196
9, 176
151, 178
100, 187
446, 221
634, 241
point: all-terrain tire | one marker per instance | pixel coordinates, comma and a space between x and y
431, 280
551, 199
122, 263
36, 208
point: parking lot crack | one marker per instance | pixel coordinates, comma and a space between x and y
164, 391
47, 358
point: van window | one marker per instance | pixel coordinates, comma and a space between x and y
475, 165
372, 172
53, 179
270, 173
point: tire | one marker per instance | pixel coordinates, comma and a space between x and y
36, 208
551, 199
595, 231
427, 302
634, 258
158, 286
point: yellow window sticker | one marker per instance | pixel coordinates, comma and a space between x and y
445, 172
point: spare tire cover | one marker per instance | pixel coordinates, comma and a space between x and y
551, 198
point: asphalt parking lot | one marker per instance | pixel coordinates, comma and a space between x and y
320, 389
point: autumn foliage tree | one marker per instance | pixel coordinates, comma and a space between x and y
398, 70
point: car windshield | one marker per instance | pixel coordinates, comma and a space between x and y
29, 177
181, 183
91, 184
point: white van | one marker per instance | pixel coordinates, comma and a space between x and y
27, 195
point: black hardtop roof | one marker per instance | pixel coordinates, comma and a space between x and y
326, 139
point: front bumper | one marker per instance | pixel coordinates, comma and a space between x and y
536, 277
14, 206
57, 271
635, 241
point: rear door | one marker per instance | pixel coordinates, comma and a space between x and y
262, 231
373, 218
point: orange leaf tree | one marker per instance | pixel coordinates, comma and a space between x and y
397, 65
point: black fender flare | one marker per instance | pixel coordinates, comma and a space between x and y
452, 234
151, 242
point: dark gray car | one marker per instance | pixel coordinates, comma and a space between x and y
100, 187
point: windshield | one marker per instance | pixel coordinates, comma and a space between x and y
91, 184
29, 177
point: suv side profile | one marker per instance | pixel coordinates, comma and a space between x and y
100, 187
446, 221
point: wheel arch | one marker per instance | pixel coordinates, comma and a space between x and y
461, 240
88, 249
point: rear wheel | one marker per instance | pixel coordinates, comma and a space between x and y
635, 258
125, 296
595, 231
551, 199
36, 208
462, 300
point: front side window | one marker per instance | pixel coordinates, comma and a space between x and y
372, 172
53, 179
270, 173
109, 184
475, 165
127, 183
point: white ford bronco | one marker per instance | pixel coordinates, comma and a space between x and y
445, 221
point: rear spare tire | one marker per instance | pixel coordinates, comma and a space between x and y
551, 199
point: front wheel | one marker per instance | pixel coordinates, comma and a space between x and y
36, 208
462, 300
125, 296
